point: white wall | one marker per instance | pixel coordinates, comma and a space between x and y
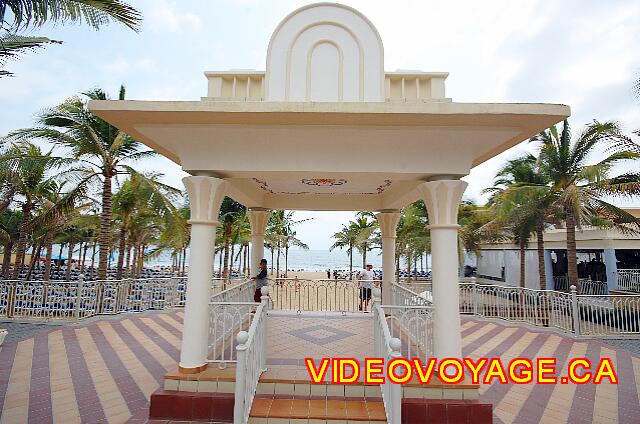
325, 52
490, 262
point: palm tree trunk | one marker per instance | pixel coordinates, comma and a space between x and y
541, 269
572, 262
71, 246
225, 264
105, 228
245, 268
132, 270
22, 239
47, 265
286, 260
350, 261
522, 263
34, 259
122, 239
59, 264
233, 252
6, 260
184, 260
364, 256
93, 256
128, 253
84, 246
278, 262
271, 260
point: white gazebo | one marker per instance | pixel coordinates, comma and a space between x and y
324, 127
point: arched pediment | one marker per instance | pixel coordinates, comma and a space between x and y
325, 52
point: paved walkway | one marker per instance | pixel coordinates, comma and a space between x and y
105, 370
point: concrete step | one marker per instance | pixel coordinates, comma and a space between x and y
272, 410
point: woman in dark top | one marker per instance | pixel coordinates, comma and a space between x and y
261, 280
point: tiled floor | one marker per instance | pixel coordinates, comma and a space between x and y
294, 337
104, 371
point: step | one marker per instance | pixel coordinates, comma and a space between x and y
295, 380
275, 410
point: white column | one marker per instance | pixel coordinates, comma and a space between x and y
388, 221
258, 219
205, 197
442, 198
611, 263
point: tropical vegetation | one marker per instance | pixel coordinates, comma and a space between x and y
18, 18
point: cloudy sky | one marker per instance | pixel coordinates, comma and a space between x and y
583, 53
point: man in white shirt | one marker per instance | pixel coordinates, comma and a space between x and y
365, 283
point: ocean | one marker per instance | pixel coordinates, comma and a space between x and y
306, 260
299, 260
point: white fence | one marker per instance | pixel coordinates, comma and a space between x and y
67, 300
315, 295
388, 348
629, 280
251, 360
230, 312
581, 314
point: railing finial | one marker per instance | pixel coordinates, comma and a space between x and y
242, 337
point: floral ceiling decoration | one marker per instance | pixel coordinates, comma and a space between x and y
321, 182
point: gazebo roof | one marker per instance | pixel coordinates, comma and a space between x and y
325, 127
370, 156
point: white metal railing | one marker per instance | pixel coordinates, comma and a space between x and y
593, 315
629, 280
588, 286
388, 348
411, 295
608, 315
230, 312
316, 295
561, 282
251, 360
413, 325
80, 299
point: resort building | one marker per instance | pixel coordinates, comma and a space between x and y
290, 137
608, 261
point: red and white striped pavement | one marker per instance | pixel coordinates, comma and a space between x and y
105, 370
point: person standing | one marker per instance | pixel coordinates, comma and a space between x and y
365, 282
261, 281
328, 274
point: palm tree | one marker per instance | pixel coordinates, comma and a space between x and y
32, 181
102, 150
366, 225
9, 234
21, 16
141, 194
521, 203
230, 212
346, 237
579, 188
55, 217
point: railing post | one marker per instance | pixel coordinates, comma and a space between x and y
475, 299
263, 327
78, 296
376, 295
11, 304
575, 310
241, 349
395, 416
